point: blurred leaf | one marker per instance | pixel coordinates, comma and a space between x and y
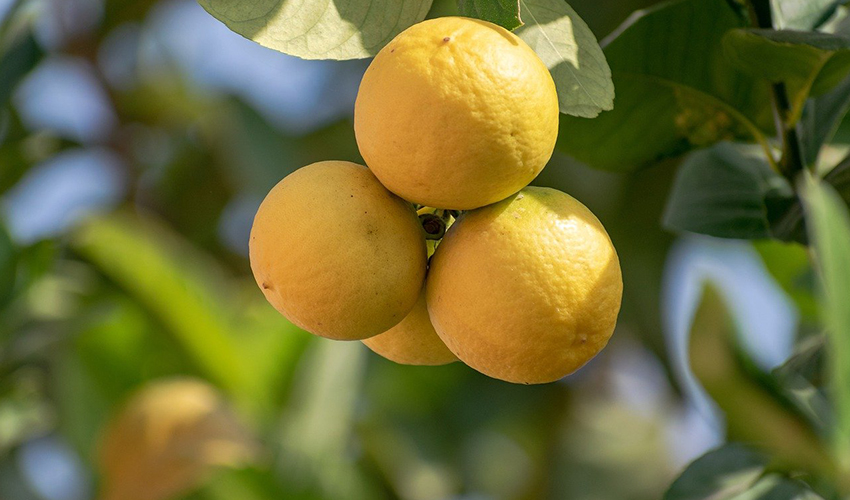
839, 179
821, 119
802, 14
15, 63
250, 484
166, 437
505, 13
570, 51
131, 252
248, 352
776, 487
724, 193
755, 413
319, 421
801, 378
830, 232
319, 30
675, 90
808, 63
719, 474
788, 264
8, 266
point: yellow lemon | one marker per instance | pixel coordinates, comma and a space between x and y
526, 290
336, 253
456, 113
413, 341
166, 438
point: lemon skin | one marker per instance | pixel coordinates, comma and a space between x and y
413, 341
336, 253
526, 290
456, 113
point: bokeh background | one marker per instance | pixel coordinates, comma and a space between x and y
132, 159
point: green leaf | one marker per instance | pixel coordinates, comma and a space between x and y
338, 29
505, 13
719, 474
839, 179
246, 348
776, 487
801, 377
15, 63
821, 119
756, 411
675, 90
788, 264
802, 14
829, 228
570, 50
721, 192
808, 63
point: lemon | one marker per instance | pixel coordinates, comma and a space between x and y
456, 113
526, 290
413, 341
167, 438
336, 253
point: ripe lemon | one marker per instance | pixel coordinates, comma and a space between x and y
413, 341
456, 113
336, 253
166, 439
526, 290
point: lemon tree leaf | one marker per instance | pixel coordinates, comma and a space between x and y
801, 378
720, 473
669, 99
808, 63
756, 411
802, 14
829, 228
326, 29
570, 50
721, 192
821, 119
244, 346
505, 13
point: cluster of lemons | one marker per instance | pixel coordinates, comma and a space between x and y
454, 117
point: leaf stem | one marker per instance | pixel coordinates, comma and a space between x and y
792, 161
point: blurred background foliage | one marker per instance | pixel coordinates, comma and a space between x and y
137, 139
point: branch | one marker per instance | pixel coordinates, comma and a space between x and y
792, 161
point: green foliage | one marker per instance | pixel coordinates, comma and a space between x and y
821, 119
349, 29
830, 233
724, 192
789, 265
568, 47
505, 13
675, 90
808, 63
189, 295
802, 14
756, 411
801, 377
719, 474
